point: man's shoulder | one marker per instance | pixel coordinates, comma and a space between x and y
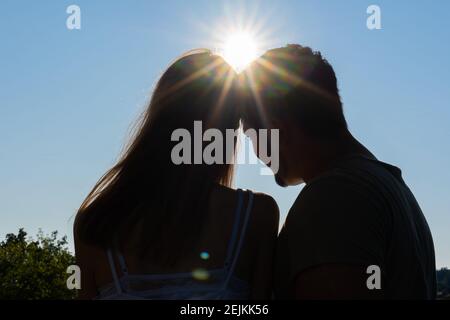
357, 179
335, 198
331, 186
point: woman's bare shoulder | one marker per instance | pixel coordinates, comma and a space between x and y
265, 210
264, 215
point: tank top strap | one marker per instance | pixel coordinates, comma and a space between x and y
120, 257
244, 228
116, 281
235, 230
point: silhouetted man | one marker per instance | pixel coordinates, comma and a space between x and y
355, 211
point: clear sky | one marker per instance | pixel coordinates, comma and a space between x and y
68, 98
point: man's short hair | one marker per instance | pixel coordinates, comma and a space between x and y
294, 83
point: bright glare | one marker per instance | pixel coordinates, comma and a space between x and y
240, 50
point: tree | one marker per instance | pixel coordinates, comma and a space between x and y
443, 283
34, 269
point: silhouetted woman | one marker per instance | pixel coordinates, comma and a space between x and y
152, 229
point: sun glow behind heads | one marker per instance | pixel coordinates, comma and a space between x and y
241, 33
240, 49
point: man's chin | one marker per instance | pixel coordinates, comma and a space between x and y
280, 181
283, 183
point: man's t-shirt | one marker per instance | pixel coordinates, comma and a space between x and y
360, 212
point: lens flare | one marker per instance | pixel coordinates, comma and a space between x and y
200, 274
240, 50
204, 255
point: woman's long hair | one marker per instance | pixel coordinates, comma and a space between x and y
145, 194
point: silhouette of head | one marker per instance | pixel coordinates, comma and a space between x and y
293, 89
161, 201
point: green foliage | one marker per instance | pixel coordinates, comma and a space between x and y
34, 269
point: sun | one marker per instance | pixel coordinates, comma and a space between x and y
241, 34
240, 49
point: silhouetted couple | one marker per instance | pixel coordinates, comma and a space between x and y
153, 229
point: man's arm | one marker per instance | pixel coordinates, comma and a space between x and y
334, 282
332, 234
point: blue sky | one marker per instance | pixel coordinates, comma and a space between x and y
68, 98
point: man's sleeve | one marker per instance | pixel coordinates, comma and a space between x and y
333, 222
